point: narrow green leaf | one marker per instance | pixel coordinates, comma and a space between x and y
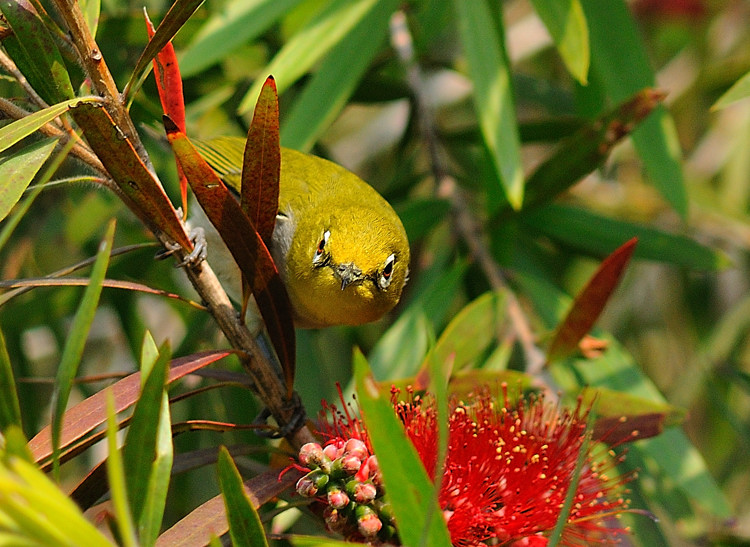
155, 499
410, 491
317, 541
240, 22
420, 215
79, 329
139, 451
91, 10
597, 235
18, 170
310, 45
566, 24
493, 96
336, 79
619, 58
34, 50
245, 527
740, 90
116, 479
14, 132
402, 348
10, 410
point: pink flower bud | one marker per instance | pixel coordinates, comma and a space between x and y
356, 448
368, 522
337, 498
311, 454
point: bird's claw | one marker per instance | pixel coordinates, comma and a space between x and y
195, 257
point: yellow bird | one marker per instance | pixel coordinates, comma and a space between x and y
341, 249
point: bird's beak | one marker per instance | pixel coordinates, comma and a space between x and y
348, 273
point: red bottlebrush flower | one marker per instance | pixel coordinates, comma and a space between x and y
508, 469
504, 480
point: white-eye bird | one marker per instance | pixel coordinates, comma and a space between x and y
341, 249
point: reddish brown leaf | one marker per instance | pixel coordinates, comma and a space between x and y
89, 414
589, 303
626, 429
245, 244
261, 167
140, 188
169, 86
210, 518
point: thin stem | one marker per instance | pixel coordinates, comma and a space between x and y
467, 226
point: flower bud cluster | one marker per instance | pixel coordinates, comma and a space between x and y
346, 478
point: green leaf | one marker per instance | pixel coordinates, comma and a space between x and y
245, 527
410, 491
566, 24
91, 10
14, 132
493, 95
139, 451
619, 58
79, 329
240, 22
317, 541
10, 410
404, 345
420, 215
740, 90
34, 50
116, 479
18, 170
310, 45
336, 79
597, 235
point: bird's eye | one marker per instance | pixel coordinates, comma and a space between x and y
320, 250
385, 276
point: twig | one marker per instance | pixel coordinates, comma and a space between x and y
466, 225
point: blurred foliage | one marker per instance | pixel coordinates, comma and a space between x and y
675, 332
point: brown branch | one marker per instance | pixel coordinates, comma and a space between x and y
464, 221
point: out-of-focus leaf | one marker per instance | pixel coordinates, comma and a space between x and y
740, 90
79, 330
310, 44
585, 150
619, 58
35, 512
622, 417
421, 215
173, 21
210, 518
493, 95
139, 451
317, 541
466, 381
17, 130
169, 87
566, 24
467, 336
595, 234
590, 303
35, 52
336, 78
90, 413
245, 244
116, 479
10, 410
140, 188
91, 10
404, 345
18, 170
411, 493
245, 527
240, 22
261, 165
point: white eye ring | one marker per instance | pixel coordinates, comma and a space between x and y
320, 249
387, 273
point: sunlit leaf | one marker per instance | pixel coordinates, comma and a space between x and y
17, 172
566, 24
10, 410
493, 94
740, 90
410, 491
116, 479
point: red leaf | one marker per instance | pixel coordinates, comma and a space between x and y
261, 167
141, 190
245, 244
169, 85
89, 414
589, 303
